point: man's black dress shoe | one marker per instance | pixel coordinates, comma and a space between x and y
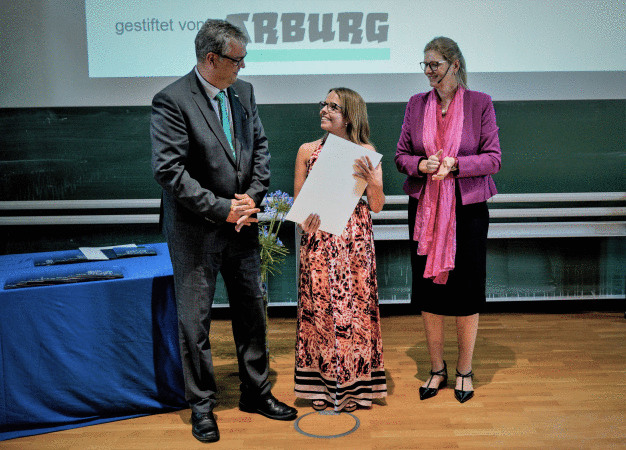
204, 427
268, 406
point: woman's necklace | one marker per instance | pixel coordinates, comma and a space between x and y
444, 109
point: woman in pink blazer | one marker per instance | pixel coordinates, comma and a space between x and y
448, 148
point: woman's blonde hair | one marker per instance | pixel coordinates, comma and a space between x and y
354, 110
451, 52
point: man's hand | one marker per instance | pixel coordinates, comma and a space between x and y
242, 208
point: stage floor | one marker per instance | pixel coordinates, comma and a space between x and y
542, 380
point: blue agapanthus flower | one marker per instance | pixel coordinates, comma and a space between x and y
273, 251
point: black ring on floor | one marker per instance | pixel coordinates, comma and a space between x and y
327, 413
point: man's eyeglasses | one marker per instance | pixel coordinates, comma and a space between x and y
334, 107
434, 65
236, 62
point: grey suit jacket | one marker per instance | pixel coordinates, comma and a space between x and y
193, 163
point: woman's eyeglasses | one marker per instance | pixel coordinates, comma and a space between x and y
334, 107
434, 65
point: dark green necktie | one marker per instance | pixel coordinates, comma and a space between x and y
221, 98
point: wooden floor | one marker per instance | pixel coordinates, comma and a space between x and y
542, 381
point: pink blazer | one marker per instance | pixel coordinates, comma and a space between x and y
479, 153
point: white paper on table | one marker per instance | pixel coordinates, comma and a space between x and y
95, 253
331, 190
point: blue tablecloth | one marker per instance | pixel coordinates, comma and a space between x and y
79, 354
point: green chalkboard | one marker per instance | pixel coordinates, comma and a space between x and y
547, 146
562, 146
75, 153
104, 152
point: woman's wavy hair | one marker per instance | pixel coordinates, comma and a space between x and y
354, 110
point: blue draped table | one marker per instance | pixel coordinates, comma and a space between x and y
79, 354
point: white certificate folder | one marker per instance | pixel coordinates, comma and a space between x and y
331, 190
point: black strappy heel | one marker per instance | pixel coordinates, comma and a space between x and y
428, 392
461, 395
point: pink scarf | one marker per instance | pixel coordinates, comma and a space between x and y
435, 222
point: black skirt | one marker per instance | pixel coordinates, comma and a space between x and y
464, 292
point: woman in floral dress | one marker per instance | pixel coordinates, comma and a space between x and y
339, 352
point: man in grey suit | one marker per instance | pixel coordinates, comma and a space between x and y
210, 155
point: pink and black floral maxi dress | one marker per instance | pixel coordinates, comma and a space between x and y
339, 351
